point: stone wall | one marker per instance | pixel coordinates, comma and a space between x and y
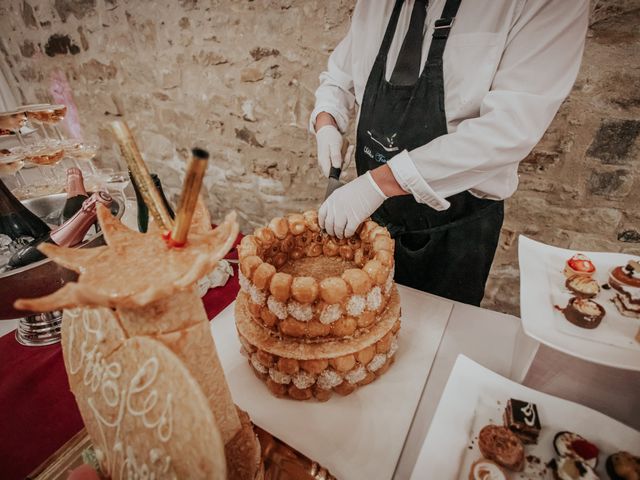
238, 77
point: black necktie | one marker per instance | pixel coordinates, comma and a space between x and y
407, 67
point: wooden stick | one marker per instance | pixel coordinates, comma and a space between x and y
141, 176
189, 197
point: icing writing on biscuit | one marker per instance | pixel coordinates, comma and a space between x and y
137, 398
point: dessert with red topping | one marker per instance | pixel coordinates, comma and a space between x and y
626, 281
569, 444
579, 264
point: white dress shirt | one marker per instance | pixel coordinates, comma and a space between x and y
508, 65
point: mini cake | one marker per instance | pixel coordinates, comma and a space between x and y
484, 469
569, 444
317, 314
626, 281
523, 420
623, 466
584, 312
502, 446
569, 468
582, 286
579, 264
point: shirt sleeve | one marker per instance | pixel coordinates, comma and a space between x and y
335, 95
537, 70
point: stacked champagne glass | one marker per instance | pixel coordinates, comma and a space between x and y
42, 146
39, 210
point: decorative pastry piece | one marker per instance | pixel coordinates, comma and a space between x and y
623, 466
626, 281
579, 264
583, 312
484, 469
583, 286
502, 446
569, 444
570, 468
523, 420
135, 338
311, 319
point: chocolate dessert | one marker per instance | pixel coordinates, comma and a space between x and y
623, 466
626, 281
581, 286
502, 446
523, 420
569, 444
583, 312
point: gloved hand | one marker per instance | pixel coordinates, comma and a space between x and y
329, 141
348, 206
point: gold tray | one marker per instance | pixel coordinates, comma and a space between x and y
281, 462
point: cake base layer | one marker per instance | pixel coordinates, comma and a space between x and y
302, 371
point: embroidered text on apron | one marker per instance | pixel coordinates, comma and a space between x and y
448, 253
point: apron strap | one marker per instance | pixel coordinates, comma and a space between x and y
441, 31
381, 59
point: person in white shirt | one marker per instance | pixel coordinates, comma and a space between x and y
450, 97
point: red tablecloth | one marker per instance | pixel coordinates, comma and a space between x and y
38, 413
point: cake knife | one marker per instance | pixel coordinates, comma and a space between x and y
333, 183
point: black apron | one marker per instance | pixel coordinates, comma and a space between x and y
447, 253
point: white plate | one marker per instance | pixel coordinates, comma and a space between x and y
470, 401
359, 436
542, 286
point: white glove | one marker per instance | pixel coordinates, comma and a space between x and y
350, 205
329, 141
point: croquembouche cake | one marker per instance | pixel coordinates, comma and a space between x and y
317, 314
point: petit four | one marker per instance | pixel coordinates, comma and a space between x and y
623, 466
501, 445
523, 420
581, 286
579, 264
569, 444
484, 469
568, 468
583, 312
626, 281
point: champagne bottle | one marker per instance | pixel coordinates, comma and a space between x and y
143, 211
76, 193
68, 234
16, 220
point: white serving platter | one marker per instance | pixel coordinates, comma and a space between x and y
359, 436
475, 396
542, 288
